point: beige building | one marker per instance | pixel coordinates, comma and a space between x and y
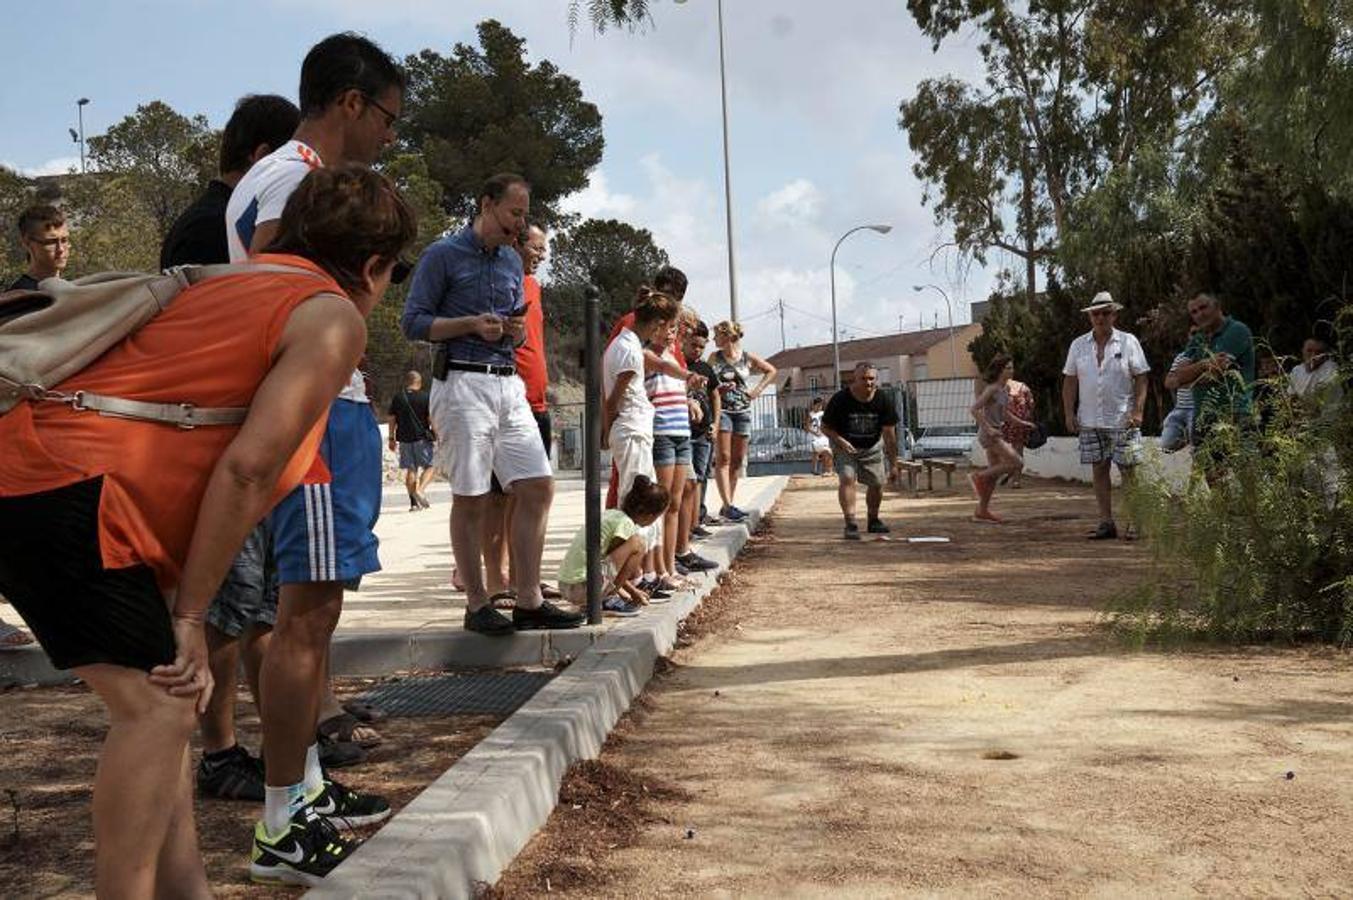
899, 358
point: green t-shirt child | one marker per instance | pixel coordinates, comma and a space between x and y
616, 528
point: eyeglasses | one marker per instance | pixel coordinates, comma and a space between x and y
390, 118
50, 242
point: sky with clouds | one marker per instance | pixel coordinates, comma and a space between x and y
813, 91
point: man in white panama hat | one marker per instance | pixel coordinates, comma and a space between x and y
1104, 398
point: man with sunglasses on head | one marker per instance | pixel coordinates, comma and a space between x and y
46, 239
1104, 399
351, 95
468, 298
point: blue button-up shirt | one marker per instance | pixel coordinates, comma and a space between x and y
458, 276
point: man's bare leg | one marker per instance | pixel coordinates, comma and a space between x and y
530, 517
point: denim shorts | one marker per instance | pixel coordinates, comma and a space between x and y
248, 596
671, 450
739, 422
702, 454
415, 455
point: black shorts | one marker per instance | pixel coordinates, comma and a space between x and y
546, 437
80, 612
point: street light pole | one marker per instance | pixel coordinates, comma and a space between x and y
80, 111
727, 175
953, 356
836, 344
727, 180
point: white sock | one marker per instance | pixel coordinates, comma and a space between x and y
650, 576
314, 775
279, 804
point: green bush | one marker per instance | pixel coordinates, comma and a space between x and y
1264, 551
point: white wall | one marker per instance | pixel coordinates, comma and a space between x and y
1060, 458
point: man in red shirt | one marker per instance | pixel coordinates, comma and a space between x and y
531, 367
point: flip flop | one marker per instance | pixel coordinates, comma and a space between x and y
343, 727
13, 637
365, 712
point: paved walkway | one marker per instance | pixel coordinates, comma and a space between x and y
414, 591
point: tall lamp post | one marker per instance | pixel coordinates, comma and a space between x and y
727, 175
80, 111
953, 357
836, 344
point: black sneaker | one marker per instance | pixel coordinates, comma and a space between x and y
696, 563
682, 568
650, 586
347, 808
1106, 531
487, 620
700, 532
852, 532
335, 754
547, 615
876, 526
231, 775
309, 850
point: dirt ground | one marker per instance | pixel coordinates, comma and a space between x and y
889, 718
49, 743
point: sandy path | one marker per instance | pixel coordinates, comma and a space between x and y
878, 719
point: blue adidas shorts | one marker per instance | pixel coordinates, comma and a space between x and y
323, 532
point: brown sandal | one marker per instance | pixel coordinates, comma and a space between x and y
503, 600
342, 727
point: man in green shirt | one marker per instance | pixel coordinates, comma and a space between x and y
1220, 369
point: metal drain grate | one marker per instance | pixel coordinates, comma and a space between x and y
439, 695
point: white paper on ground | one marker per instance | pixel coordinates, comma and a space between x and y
928, 540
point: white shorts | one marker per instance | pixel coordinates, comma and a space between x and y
821, 444
633, 456
485, 427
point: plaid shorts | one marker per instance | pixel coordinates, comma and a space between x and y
1122, 445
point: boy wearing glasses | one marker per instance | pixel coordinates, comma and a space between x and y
43, 233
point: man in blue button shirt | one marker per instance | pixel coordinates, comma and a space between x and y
467, 298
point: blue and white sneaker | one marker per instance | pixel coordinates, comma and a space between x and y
619, 607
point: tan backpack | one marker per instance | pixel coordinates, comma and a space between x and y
52, 333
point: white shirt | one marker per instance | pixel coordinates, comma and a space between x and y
1304, 382
634, 413
1106, 396
260, 197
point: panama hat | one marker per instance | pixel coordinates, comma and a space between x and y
1103, 300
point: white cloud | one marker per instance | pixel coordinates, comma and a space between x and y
799, 201
61, 165
596, 201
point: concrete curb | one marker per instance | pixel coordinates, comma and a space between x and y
466, 827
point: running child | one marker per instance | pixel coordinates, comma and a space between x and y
992, 412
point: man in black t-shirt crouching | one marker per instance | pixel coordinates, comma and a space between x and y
861, 424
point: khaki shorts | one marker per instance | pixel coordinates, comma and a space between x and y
864, 466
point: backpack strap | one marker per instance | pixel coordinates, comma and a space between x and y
184, 415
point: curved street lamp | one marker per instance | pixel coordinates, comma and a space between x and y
836, 346
953, 357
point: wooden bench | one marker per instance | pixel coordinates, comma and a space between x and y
913, 469
946, 466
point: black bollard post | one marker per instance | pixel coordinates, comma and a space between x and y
592, 448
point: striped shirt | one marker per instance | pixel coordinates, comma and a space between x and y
671, 415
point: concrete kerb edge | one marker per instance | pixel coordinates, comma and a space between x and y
466, 827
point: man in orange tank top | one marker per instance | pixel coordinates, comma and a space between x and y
115, 533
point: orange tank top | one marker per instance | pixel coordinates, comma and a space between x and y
212, 347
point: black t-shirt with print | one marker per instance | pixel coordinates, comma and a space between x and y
861, 422
702, 396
